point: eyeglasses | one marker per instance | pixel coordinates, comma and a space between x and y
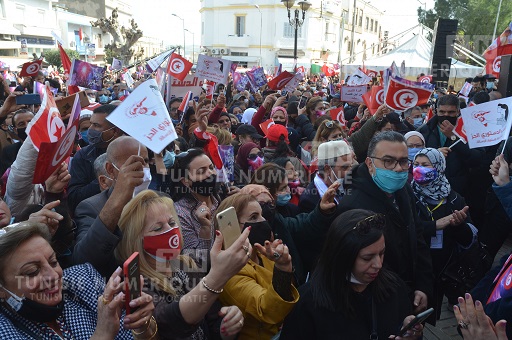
390, 163
377, 221
330, 124
414, 146
252, 156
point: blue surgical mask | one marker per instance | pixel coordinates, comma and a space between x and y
283, 199
413, 152
83, 135
104, 99
169, 158
436, 95
489, 85
388, 180
417, 122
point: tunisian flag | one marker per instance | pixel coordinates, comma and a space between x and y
403, 94
328, 70
47, 125
339, 115
178, 66
280, 81
502, 45
374, 98
64, 58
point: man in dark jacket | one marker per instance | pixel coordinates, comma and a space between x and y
379, 185
438, 133
101, 133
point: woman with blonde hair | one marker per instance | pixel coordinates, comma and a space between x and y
151, 227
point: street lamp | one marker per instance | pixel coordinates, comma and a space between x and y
296, 22
193, 43
261, 25
183, 23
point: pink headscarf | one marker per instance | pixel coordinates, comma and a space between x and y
255, 190
280, 108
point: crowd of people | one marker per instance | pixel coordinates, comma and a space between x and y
346, 229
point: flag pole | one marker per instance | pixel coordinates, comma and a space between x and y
504, 144
459, 140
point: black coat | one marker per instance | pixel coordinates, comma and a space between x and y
9, 154
459, 161
309, 198
407, 253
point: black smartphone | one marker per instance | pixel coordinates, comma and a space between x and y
28, 99
303, 101
421, 317
12, 84
132, 288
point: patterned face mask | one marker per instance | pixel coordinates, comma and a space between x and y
423, 175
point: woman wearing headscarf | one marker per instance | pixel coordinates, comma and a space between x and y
447, 224
248, 159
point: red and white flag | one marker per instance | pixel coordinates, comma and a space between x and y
466, 89
377, 98
328, 70
184, 103
51, 155
266, 125
66, 62
403, 94
425, 79
280, 81
459, 130
301, 69
47, 126
369, 73
31, 68
178, 66
210, 88
502, 45
339, 115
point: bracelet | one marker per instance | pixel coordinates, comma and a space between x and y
203, 281
135, 334
148, 323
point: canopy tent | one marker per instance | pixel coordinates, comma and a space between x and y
416, 52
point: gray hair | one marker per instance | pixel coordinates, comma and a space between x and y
384, 136
99, 165
408, 112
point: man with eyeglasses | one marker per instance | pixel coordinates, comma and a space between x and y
438, 133
335, 160
173, 110
380, 185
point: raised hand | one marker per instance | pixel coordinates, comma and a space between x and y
278, 252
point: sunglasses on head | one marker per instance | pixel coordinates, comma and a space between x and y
252, 156
330, 124
377, 221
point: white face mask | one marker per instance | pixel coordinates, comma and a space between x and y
145, 182
356, 281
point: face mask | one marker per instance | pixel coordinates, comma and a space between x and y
436, 95
83, 135
94, 136
21, 133
268, 212
489, 86
166, 245
92, 100
32, 310
452, 120
294, 184
412, 152
175, 121
260, 232
283, 123
319, 113
423, 175
283, 199
206, 187
417, 122
254, 164
145, 182
169, 158
104, 99
388, 180
356, 281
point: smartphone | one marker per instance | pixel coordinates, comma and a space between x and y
12, 84
28, 99
284, 92
228, 226
132, 288
421, 317
303, 101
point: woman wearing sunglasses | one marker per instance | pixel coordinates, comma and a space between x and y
350, 292
248, 159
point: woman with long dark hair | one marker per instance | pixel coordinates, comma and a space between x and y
350, 295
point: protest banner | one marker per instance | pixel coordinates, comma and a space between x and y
65, 105
144, 116
86, 75
257, 77
227, 154
358, 78
51, 155
190, 83
117, 64
154, 63
294, 82
353, 93
488, 123
213, 69
128, 79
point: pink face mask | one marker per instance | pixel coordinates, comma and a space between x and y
254, 164
319, 113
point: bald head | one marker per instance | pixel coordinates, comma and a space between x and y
495, 95
120, 149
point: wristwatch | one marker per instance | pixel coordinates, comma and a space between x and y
453, 138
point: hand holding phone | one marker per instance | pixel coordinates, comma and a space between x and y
420, 318
303, 101
132, 287
228, 226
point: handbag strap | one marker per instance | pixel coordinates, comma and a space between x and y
374, 335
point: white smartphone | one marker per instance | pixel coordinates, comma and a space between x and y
228, 226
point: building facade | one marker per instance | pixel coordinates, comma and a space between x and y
258, 32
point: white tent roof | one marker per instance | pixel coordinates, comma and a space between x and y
416, 53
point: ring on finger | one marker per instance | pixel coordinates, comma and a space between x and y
245, 248
276, 255
241, 323
463, 324
105, 301
248, 254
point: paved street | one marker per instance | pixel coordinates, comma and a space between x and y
446, 327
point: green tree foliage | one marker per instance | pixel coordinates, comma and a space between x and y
52, 57
476, 19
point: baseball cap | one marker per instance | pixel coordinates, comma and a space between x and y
246, 129
275, 132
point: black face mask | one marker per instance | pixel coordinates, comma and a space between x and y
260, 232
35, 311
452, 120
281, 123
268, 212
21, 133
206, 187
